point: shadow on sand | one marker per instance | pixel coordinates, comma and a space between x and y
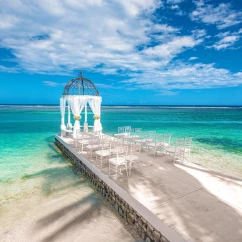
84, 208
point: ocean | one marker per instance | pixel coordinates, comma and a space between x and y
34, 176
42, 197
26, 134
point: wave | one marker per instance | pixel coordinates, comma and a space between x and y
28, 106
170, 107
46, 106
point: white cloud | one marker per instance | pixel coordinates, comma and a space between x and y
174, 1
227, 40
193, 58
167, 93
7, 21
179, 76
222, 16
53, 84
108, 37
76, 38
135, 7
199, 33
177, 10
9, 69
174, 7
163, 28
167, 51
107, 86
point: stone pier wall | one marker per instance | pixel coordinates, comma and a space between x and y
147, 232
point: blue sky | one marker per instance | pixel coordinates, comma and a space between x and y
168, 52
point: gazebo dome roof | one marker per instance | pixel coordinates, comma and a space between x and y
80, 86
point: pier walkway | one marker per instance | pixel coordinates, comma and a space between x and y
199, 204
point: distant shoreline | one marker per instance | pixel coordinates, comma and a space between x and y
126, 105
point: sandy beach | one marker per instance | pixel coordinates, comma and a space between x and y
60, 207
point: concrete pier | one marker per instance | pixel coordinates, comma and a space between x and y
166, 201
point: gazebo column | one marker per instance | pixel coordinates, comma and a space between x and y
85, 112
77, 103
62, 110
85, 123
69, 124
95, 104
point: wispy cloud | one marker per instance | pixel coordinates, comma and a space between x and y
167, 51
167, 93
193, 58
186, 76
175, 7
223, 16
174, 1
227, 40
52, 84
107, 86
9, 69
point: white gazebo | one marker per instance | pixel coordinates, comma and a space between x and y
78, 93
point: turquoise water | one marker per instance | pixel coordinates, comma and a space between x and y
26, 134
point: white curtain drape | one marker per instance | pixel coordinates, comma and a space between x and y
69, 124
95, 105
77, 106
62, 110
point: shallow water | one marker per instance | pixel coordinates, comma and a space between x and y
26, 134
39, 189
35, 176
34, 173
216, 132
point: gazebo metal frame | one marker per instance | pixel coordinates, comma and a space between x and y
81, 88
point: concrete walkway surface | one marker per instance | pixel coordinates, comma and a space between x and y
200, 204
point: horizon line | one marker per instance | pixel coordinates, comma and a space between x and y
164, 105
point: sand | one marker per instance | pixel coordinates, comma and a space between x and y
57, 210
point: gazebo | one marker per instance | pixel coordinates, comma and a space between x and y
77, 93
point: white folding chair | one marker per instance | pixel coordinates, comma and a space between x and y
118, 162
176, 151
137, 130
151, 137
157, 146
133, 158
76, 137
82, 143
144, 135
103, 154
128, 129
188, 144
121, 132
93, 146
166, 140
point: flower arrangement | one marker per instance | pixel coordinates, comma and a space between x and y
77, 117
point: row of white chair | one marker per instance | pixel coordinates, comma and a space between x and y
123, 151
110, 149
158, 143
